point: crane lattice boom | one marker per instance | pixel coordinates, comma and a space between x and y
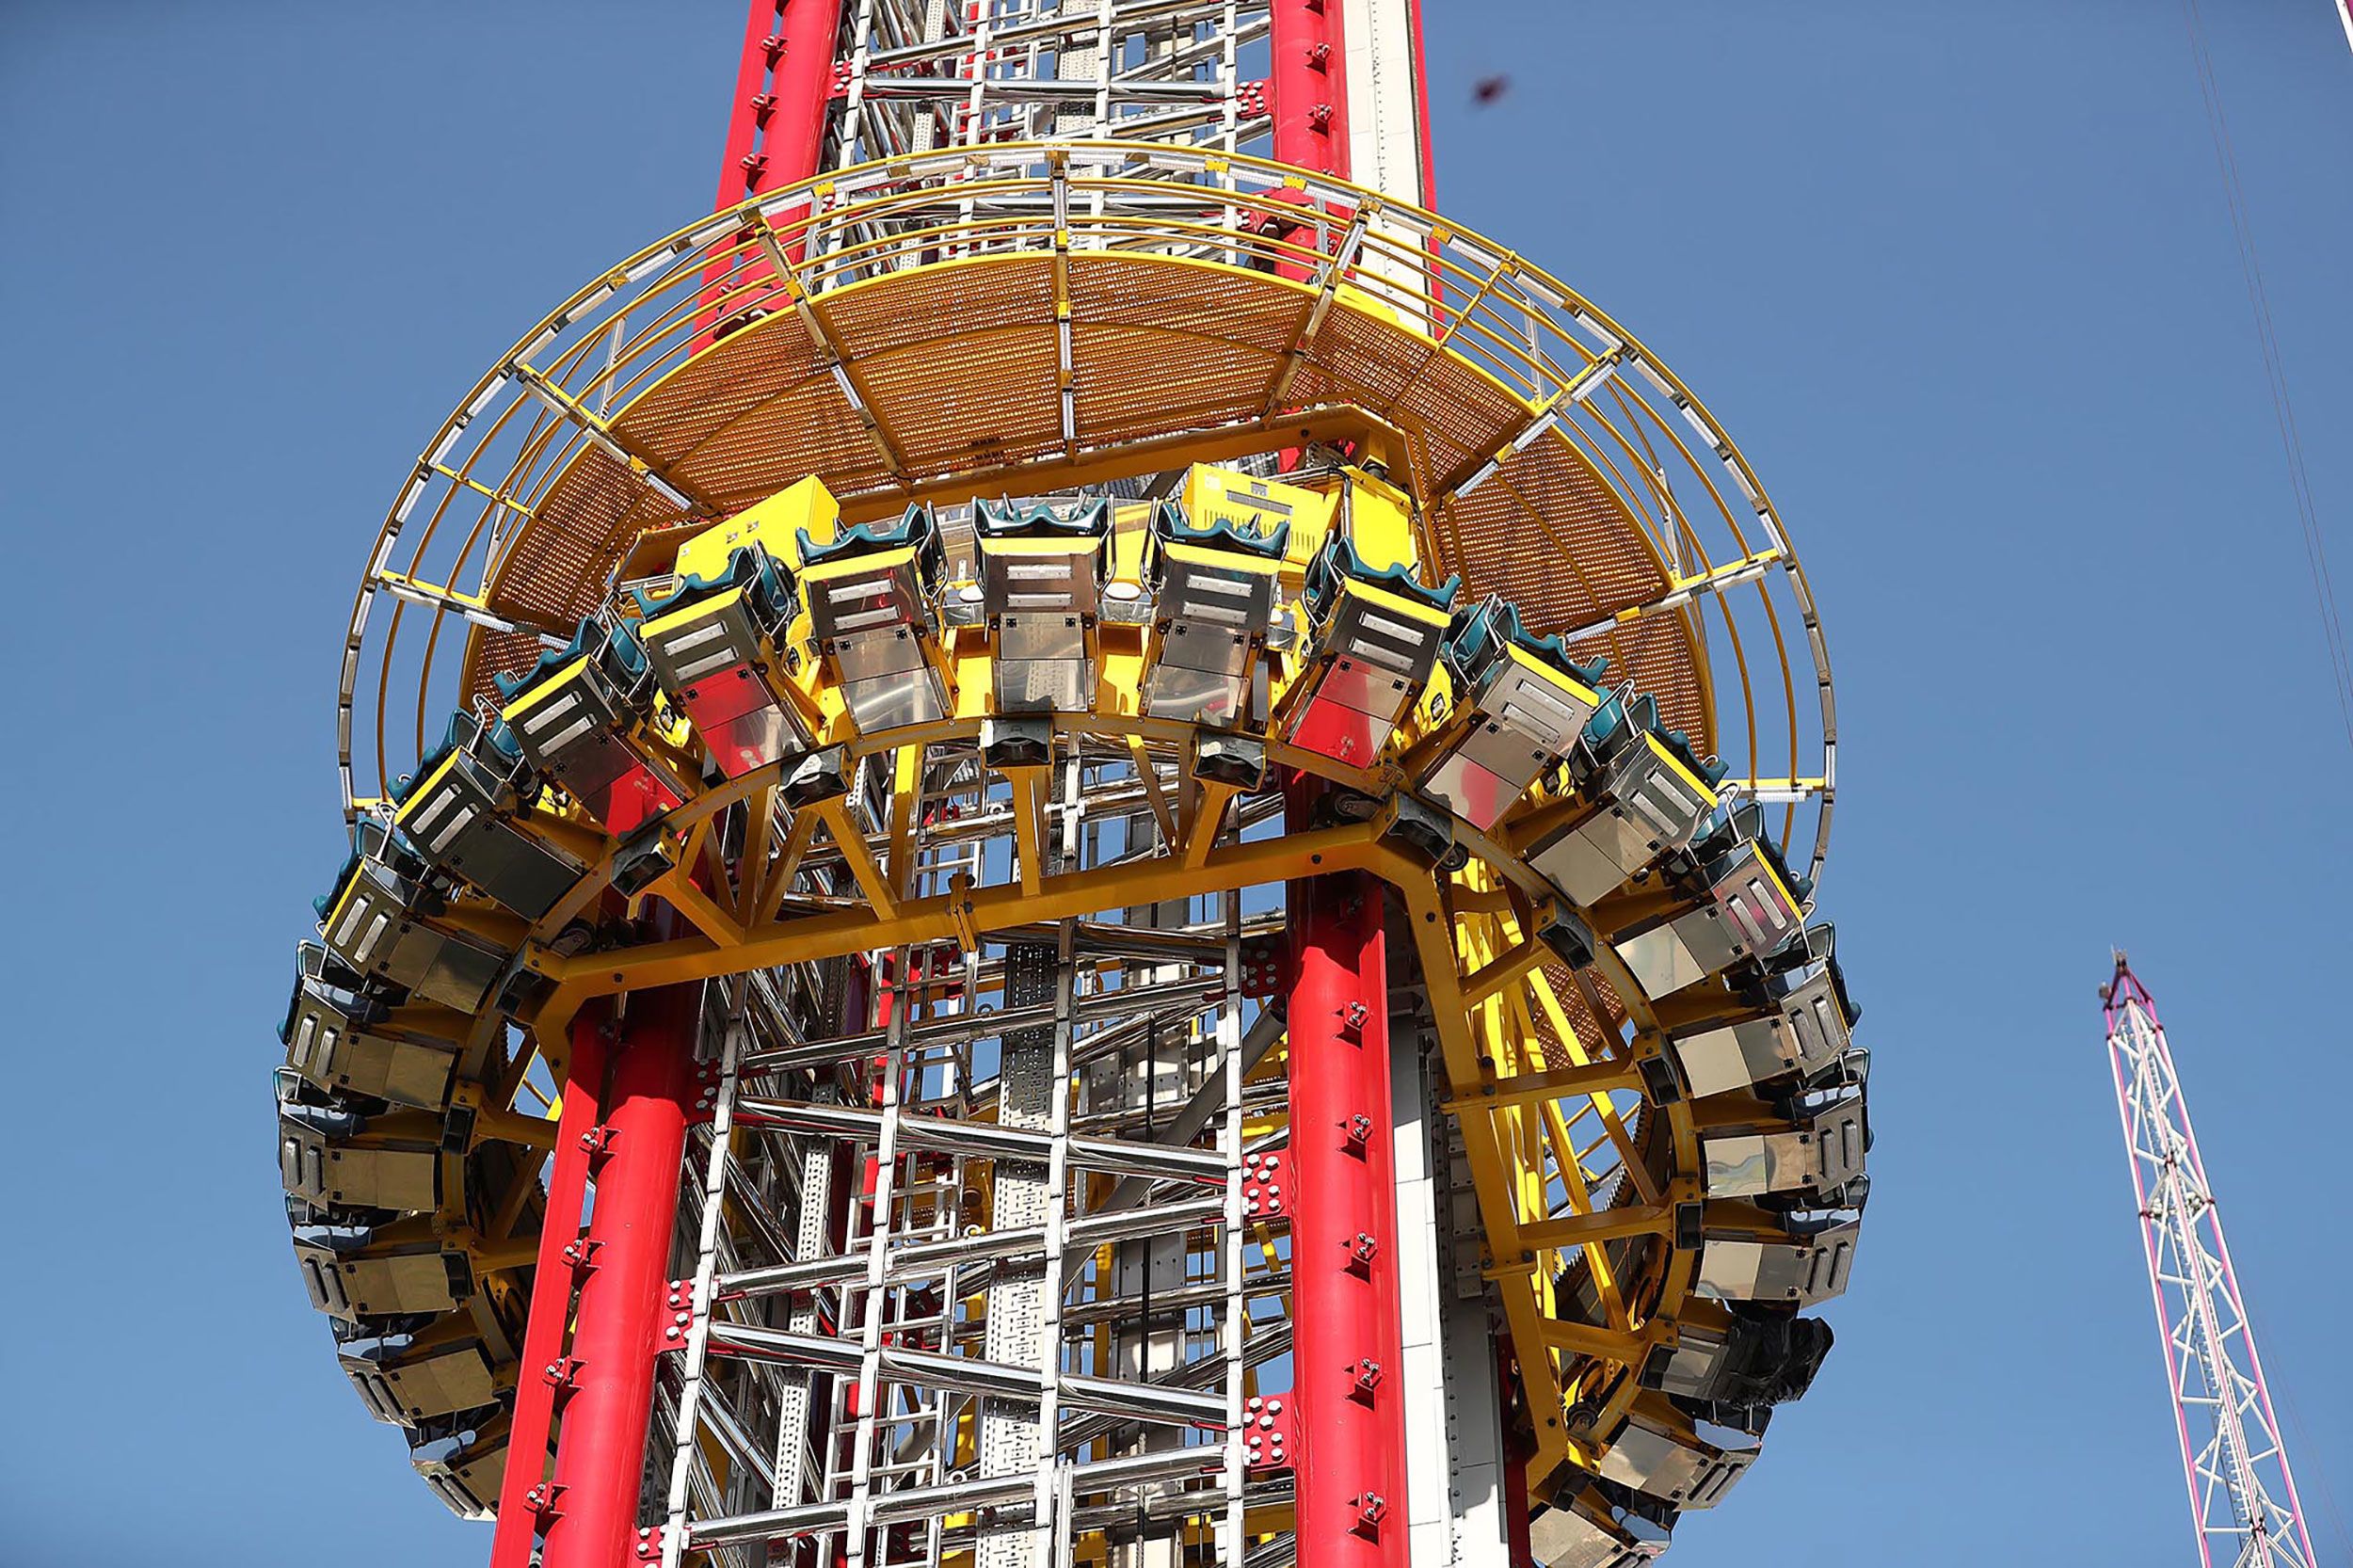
2241, 1493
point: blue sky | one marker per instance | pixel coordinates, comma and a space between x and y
1958, 278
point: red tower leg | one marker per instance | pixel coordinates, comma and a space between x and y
601, 1448
523, 1491
783, 89
1346, 1339
1309, 86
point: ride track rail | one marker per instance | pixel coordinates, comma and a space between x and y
1654, 1117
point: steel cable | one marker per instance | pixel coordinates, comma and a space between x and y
2275, 371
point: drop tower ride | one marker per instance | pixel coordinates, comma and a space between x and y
1075, 839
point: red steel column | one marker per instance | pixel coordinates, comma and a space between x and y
1348, 1414
522, 1491
1309, 86
776, 137
776, 126
600, 1450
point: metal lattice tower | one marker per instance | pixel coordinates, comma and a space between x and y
2242, 1495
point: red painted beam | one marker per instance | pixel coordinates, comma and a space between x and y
776, 138
1308, 87
601, 1447
783, 86
522, 1491
1347, 1406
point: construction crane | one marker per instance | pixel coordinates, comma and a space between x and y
1074, 770
2242, 1495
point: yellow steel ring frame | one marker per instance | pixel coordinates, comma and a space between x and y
1026, 319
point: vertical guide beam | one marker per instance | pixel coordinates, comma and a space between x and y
1309, 86
600, 1450
523, 1491
1387, 99
1347, 1339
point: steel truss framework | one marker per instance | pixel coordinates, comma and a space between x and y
2242, 1495
1021, 1071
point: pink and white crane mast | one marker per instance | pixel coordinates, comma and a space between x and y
2242, 1496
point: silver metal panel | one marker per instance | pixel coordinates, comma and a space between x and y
1237, 601
331, 1051
1472, 793
752, 739
1664, 960
1756, 909
1504, 750
1690, 1474
1816, 1155
1595, 855
1803, 1273
1732, 1056
1368, 687
892, 701
1367, 632
870, 655
1212, 650
1043, 685
1655, 796
1563, 1538
421, 1385
1816, 1024
690, 651
410, 1281
458, 971
1690, 1369
857, 605
329, 1171
1545, 715
467, 1479
1021, 637
1033, 579
1192, 697
1342, 733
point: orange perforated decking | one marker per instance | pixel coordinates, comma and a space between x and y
957, 361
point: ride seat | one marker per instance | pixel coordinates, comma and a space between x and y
1801, 1271
1680, 1467
341, 1037
459, 810
719, 650
442, 1370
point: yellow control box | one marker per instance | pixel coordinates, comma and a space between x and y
774, 523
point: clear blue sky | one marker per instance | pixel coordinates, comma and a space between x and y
1957, 276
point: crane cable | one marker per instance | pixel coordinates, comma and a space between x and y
2283, 408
